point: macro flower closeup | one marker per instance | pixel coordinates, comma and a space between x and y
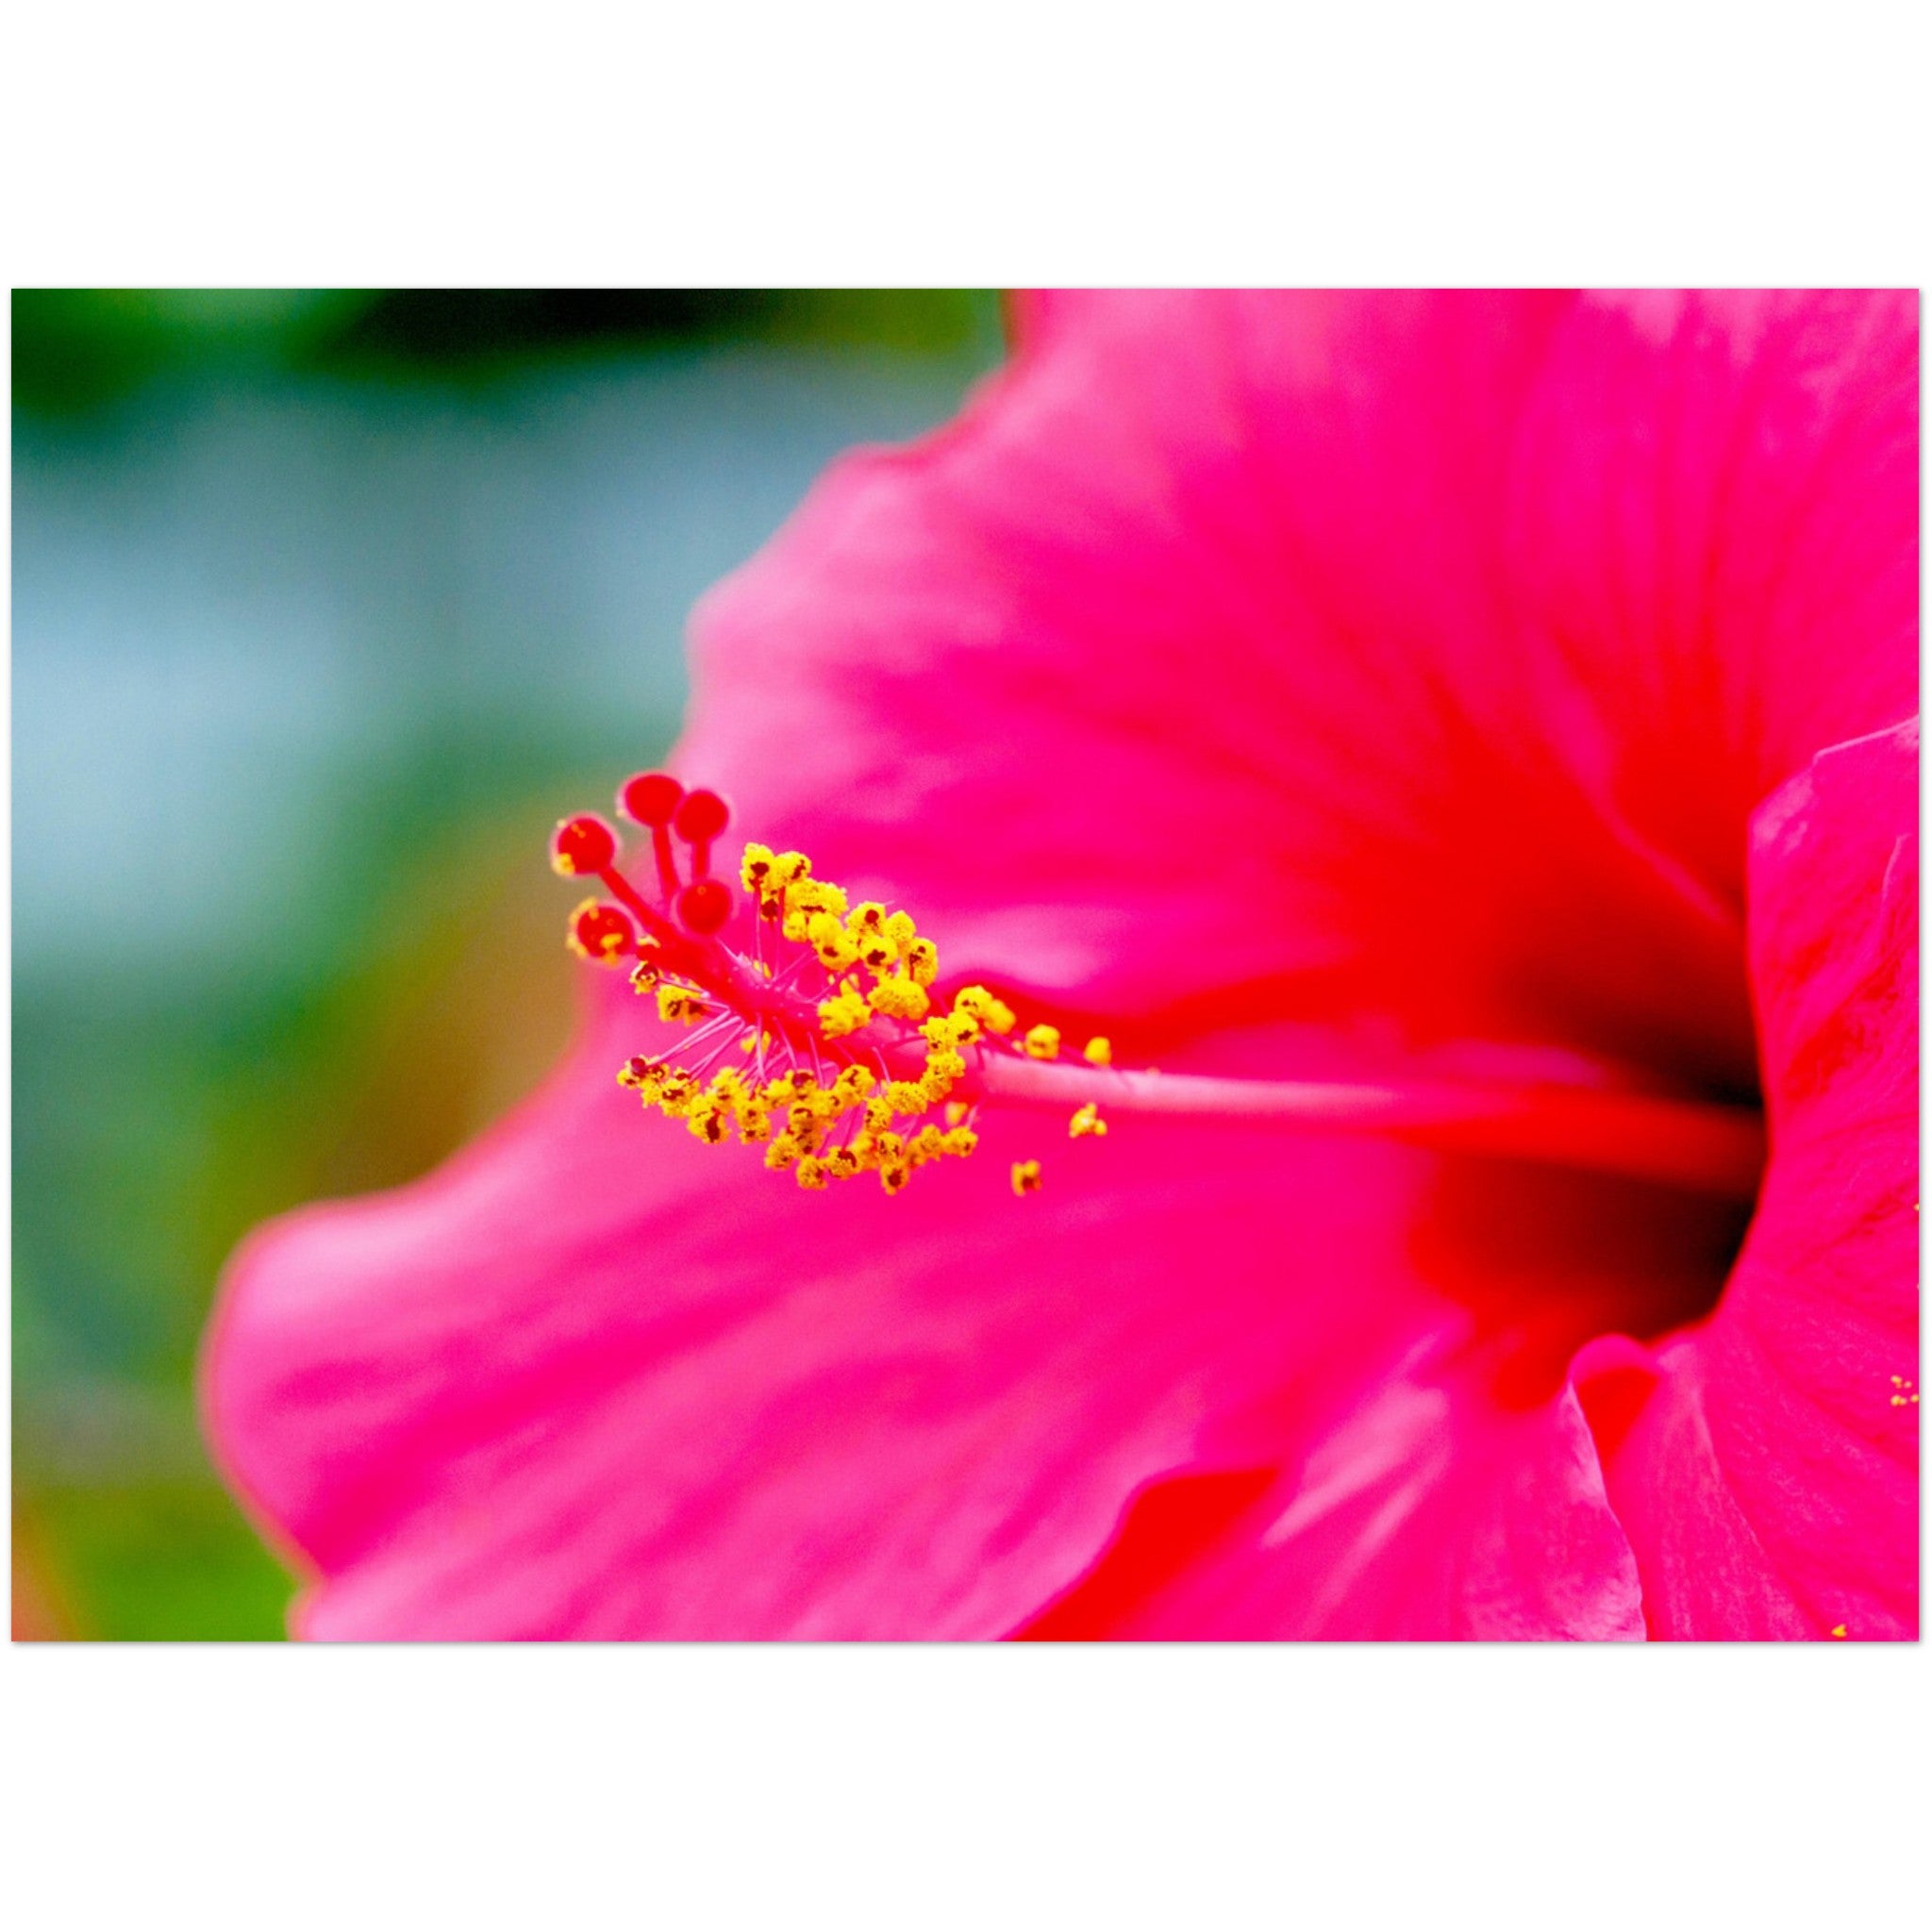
1467, 744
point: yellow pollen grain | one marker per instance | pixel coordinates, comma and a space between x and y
1042, 1042
951, 1029
976, 1003
1098, 1052
845, 1012
1086, 1122
756, 870
1025, 1178
922, 959
900, 998
942, 1072
681, 1003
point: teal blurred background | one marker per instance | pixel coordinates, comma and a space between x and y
325, 605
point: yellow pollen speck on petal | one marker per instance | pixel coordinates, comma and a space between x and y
1042, 1042
1025, 1178
1085, 1121
1838, 1629
957, 1111
1098, 1052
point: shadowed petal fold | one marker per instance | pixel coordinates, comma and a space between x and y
1766, 1465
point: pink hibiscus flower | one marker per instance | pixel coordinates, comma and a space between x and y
1388, 714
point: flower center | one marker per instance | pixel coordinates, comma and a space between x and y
819, 1036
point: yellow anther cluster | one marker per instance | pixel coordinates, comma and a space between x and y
836, 1121
1098, 1052
797, 1118
1085, 1121
885, 946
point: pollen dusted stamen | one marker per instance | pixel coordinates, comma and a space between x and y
833, 1059
824, 1045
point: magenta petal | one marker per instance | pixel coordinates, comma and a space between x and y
1715, 528
1347, 630
593, 1379
1770, 1483
1427, 1511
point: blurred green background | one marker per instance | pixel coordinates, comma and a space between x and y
325, 605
